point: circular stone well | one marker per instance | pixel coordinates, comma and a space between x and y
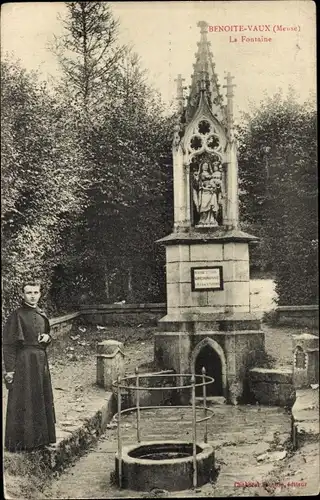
165, 465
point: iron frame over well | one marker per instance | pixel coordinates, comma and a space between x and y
119, 384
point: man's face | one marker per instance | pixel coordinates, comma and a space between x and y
31, 294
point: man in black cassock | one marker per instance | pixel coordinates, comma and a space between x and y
30, 421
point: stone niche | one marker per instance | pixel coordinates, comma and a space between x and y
305, 360
226, 356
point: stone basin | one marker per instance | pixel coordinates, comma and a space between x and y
165, 465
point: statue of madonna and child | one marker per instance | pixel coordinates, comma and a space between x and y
207, 193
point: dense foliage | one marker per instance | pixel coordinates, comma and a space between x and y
86, 173
128, 141
278, 172
41, 184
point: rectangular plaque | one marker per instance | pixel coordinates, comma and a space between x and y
206, 278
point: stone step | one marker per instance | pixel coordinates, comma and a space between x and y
215, 400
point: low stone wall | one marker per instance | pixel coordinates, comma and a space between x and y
63, 453
122, 314
272, 386
298, 315
134, 314
63, 324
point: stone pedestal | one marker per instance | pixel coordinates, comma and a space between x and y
218, 322
206, 251
110, 363
306, 360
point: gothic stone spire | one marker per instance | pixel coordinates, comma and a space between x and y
204, 79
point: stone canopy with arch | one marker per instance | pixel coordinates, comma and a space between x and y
205, 144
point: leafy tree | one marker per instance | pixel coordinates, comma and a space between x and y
88, 53
42, 168
127, 141
277, 168
129, 196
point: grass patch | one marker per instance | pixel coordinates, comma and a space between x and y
26, 475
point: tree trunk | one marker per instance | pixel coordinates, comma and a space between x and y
106, 285
130, 297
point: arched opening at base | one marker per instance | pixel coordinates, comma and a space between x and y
210, 360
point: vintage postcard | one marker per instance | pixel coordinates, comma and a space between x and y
160, 249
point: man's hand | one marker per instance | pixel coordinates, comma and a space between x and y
9, 377
44, 338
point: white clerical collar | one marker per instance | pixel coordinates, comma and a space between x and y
30, 305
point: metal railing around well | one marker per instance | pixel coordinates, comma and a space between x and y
205, 380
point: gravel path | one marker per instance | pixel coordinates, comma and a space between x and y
73, 362
73, 370
240, 435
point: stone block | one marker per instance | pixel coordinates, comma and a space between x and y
306, 400
173, 295
178, 272
236, 251
237, 293
272, 387
171, 351
173, 311
207, 252
306, 341
149, 397
202, 310
203, 327
232, 325
313, 367
235, 309
110, 362
236, 270
271, 375
300, 379
173, 272
273, 394
190, 298
185, 272
299, 316
216, 298
177, 253
306, 360
166, 351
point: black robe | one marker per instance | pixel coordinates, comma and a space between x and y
30, 421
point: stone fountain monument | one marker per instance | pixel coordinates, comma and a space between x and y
209, 320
